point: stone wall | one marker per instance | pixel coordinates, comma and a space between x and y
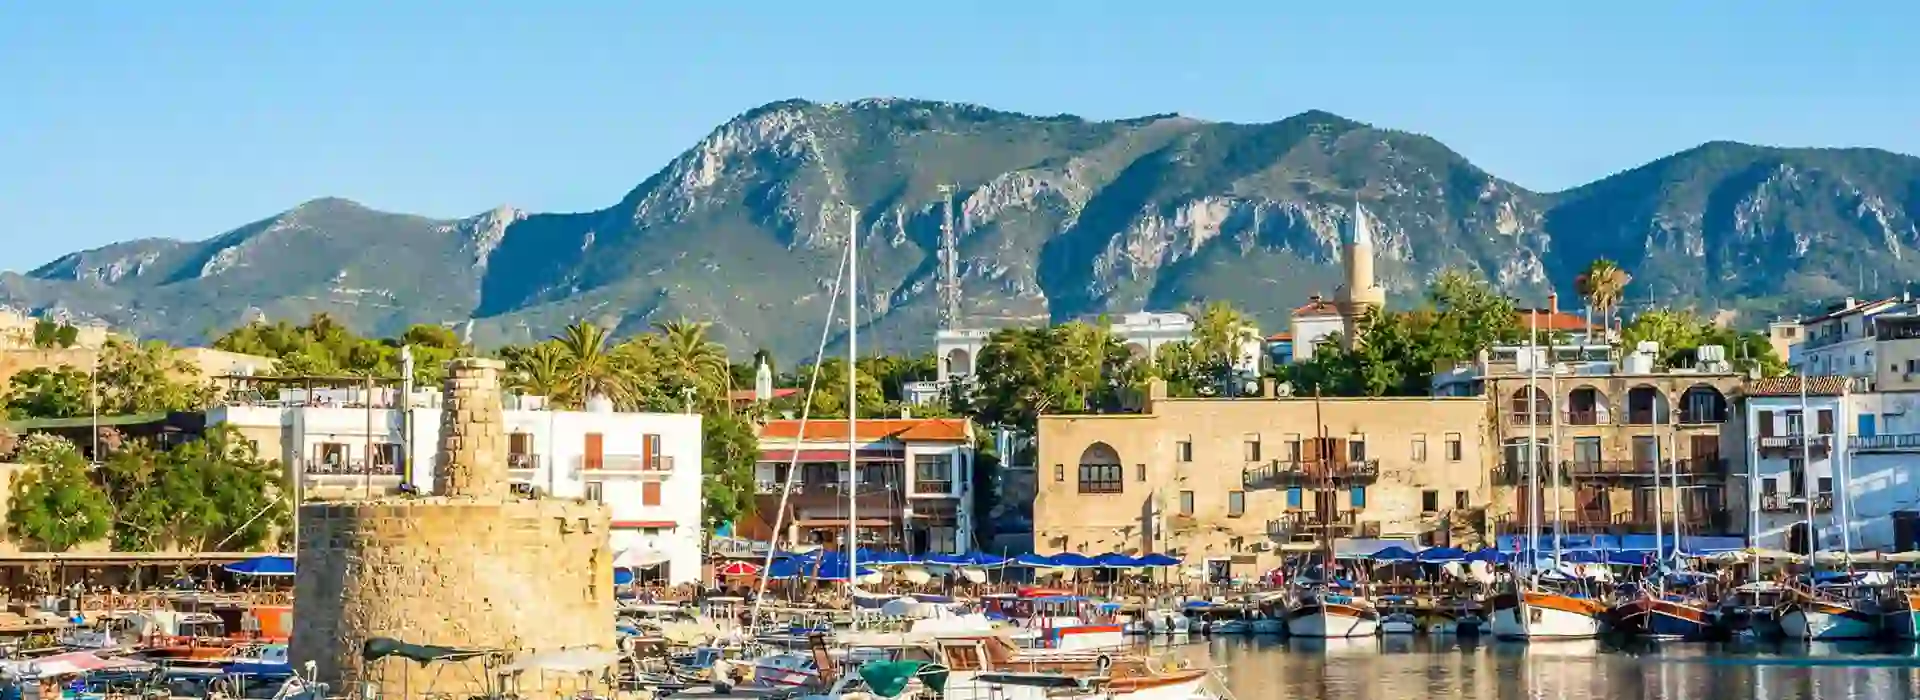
520, 576
473, 436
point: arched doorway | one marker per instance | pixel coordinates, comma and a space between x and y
1703, 404
1532, 406
1646, 406
1586, 405
959, 363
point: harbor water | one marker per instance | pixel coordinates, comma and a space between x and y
1405, 668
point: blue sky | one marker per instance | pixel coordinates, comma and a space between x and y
123, 120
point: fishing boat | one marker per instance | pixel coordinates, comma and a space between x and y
1398, 616
1326, 607
972, 661
1899, 610
1830, 613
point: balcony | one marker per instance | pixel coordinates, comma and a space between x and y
931, 487
1817, 444
1703, 465
1584, 417
643, 466
1783, 503
1283, 473
351, 468
1609, 468
1885, 443
522, 465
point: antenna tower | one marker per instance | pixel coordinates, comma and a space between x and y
949, 265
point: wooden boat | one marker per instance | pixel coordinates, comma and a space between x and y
1320, 612
1899, 611
1524, 612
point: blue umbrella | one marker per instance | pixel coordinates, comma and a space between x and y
1034, 560
1490, 556
1392, 554
622, 577
1074, 560
270, 565
1157, 559
985, 559
1116, 560
1440, 555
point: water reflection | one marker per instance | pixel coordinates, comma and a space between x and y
1407, 668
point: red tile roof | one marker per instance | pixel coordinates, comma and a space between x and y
644, 524
744, 395
1317, 307
904, 429
1277, 337
1552, 321
1790, 386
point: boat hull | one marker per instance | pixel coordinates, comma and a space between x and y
1269, 626
1821, 621
1333, 620
1542, 615
1672, 620
1898, 617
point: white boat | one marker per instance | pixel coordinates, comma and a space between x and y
1163, 621
1321, 613
1528, 614
1399, 623
1829, 620
978, 667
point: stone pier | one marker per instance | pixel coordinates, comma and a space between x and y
471, 566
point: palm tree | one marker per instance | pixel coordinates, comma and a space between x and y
1603, 285
540, 371
685, 351
590, 369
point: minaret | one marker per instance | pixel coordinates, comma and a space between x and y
763, 382
1360, 292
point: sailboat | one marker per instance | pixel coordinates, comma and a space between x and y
1526, 608
1320, 608
1670, 616
1817, 612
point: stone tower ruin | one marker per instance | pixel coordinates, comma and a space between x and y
471, 566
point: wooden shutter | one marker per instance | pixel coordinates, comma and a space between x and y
1766, 424
650, 493
1826, 422
595, 451
650, 451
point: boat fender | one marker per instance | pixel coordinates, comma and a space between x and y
1103, 664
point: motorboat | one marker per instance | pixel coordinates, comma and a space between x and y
1526, 612
1324, 612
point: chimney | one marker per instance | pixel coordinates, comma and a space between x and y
1553, 305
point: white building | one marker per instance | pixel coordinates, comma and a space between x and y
644, 466
1840, 343
1790, 441
1313, 323
1143, 333
915, 490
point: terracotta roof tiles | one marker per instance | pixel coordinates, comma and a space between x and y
904, 429
1790, 386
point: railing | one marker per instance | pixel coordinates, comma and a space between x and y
1796, 442
1703, 465
517, 460
351, 468
1708, 417
635, 463
1543, 416
1288, 472
1586, 417
1609, 468
1644, 417
1785, 503
1885, 443
926, 487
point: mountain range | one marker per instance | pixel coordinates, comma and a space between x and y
1056, 218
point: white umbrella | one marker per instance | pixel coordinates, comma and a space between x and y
916, 576
640, 558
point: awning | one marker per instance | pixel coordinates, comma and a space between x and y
842, 522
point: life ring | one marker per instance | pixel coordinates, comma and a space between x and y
1103, 664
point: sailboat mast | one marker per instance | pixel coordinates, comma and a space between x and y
1553, 439
1533, 439
1806, 477
1326, 485
853, 405
1842, 462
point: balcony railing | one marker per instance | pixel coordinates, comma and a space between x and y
1885, 443
930, 487
1543, 416
1286, 473
1584, 417
523, 462
1703, 417
636, 463
1603, 468
1814, 443
352, 468
1785, 503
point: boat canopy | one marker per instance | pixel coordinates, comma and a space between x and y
377, 648
269, 565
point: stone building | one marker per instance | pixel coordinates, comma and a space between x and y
1237, 483
475, 566
1599, 429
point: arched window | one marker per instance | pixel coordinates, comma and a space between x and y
1100, 470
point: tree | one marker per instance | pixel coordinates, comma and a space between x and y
1680, 334
44, 392
147, 378
215, 492
829, 397
591, 368
685, 359
56, 506
1397, 356
539, 370
730, 450
48, 334
1024, 373
1603, 285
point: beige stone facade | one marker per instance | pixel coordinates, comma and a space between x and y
1611, 431
475, 568
1242, 481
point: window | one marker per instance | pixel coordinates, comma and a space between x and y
1250, 447
1454, 448
1183, 451
1794, 423
1826, 422
650, 493
1186, 503
1766, 423
1236, 504
595, 452
1293, 447
593, 492
1419, 447
1586, 450
1769, 486
1357, 448
1462, 499
386, 454
1797, 472
331, 454
1357, 498
1430, 501
1059, 472
1100, 478
1293, 498
1826, 485
1139, 472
